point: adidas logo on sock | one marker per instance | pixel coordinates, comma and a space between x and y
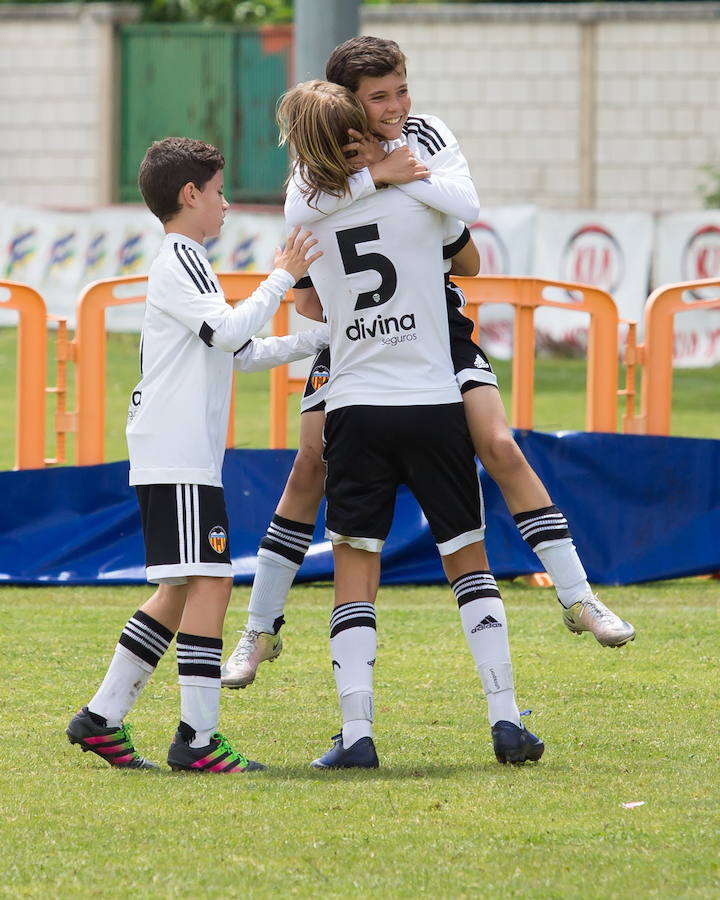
487, 622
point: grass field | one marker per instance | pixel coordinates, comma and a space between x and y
559, 399
440, 818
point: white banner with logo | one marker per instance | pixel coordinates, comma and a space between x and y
687, 248
611, 251
59, 253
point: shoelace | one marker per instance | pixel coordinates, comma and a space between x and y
224, 745
126, 731
246, 645
597, 609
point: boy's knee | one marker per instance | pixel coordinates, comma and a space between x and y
500, 452
308, 472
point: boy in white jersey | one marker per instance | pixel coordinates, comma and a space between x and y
374, 69
176, 430
394, 415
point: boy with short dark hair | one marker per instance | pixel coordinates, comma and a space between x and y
176, 430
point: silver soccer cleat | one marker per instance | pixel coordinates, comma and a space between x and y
253, 648
590, 614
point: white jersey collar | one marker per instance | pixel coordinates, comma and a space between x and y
173, 236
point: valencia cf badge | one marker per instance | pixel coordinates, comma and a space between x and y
319, 377
218, 539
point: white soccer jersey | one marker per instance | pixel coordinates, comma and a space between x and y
178, 414
449, 189
380, 281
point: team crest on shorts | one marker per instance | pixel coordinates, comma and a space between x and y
218, 539
319, 376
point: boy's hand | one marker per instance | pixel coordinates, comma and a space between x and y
398, 167
292, 256
363, 150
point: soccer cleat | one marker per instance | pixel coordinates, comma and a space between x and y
114, 744
361, 755
217, 756
253, 648
590, 614
515, 744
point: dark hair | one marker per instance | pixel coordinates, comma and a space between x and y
169, 165
363, 57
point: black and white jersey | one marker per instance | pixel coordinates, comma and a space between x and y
178, 414
449, 189
381, 283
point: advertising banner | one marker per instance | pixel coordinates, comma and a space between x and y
611, 251
687, 248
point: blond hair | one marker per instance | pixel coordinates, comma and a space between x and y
314, 118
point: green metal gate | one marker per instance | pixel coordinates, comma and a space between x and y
219, 84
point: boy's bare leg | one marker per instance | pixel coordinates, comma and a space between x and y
539, 521
281, 553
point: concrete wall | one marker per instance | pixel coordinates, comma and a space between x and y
58, 102
594, 105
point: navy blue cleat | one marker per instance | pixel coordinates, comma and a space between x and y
361, 755
515, 744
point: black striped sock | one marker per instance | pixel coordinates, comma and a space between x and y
540, 526
352, 615
145, 638
474, 586
288, 539
198, 657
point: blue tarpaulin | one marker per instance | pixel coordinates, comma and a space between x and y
640, 509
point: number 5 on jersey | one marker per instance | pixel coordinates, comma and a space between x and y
354, 262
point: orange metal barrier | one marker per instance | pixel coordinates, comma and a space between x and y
31, 374
88, 350
281, 383
526, 294
657, 352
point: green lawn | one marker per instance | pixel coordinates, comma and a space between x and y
559, 399
440, 818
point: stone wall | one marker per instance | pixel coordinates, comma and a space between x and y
596, 105
58, 102
614, 106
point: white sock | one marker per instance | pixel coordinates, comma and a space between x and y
142, 643
124, 680
200, 709
273, 579
483, 619
563, 565
546, 531
199, 678
353, 645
